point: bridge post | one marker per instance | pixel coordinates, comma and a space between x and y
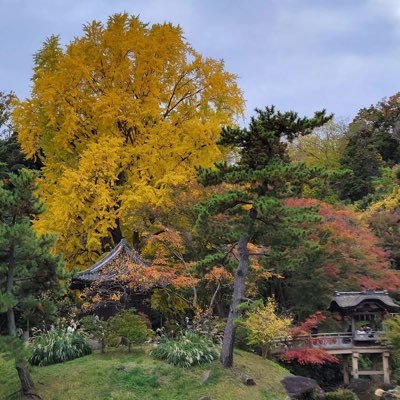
386, 370
354, 364
346, 375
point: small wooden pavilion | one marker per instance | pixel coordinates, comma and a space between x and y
361, 315
364, 313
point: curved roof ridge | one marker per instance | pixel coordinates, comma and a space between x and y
351, 300
90, 273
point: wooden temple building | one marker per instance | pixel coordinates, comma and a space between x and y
361, 315
103, 274
104, 268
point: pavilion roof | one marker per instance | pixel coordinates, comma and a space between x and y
100, 268
349, 301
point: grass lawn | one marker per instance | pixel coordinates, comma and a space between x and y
118, 375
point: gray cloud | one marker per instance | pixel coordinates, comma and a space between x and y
297, 54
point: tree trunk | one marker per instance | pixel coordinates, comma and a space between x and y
24, 378
194, 302
136, 242
239, 289
116, 232
12, 329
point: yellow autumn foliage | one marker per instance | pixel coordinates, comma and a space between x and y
264, 325
119, 118
389, 203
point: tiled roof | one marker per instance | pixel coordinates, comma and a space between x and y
121, 249
350, 300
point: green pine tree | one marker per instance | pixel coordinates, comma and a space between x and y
27, 269
256, 183
11, 157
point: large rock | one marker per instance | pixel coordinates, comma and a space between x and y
94, 344
299, 387
361, 386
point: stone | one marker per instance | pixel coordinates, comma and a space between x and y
120, 368
390, 394
205, 376
297, 387
248, 380
205, 398
379, 392
94, 344
360, 385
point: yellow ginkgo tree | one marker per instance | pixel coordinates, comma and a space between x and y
118, 119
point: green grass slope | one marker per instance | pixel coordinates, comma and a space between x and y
118, 375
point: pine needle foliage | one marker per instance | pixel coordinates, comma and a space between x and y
189, 349
58, 346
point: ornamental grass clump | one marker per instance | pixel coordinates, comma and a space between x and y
57, 346
189, 349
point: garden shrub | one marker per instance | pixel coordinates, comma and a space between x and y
341, 394
208, 325
95, 328
189, 349
129, 326
57, 346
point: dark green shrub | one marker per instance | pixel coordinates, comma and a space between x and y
57, 346
188, 350
341, 394
128, 326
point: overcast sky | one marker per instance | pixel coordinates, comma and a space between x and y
297, 54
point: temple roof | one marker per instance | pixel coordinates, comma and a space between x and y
121, 249
349, 301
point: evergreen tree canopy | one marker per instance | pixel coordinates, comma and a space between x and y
262, 173
373, 143
11, 156
29, 274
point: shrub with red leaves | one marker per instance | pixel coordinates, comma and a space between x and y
308, 356
306, 326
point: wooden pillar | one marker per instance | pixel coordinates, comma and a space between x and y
346, 375
386, 370
354, 364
